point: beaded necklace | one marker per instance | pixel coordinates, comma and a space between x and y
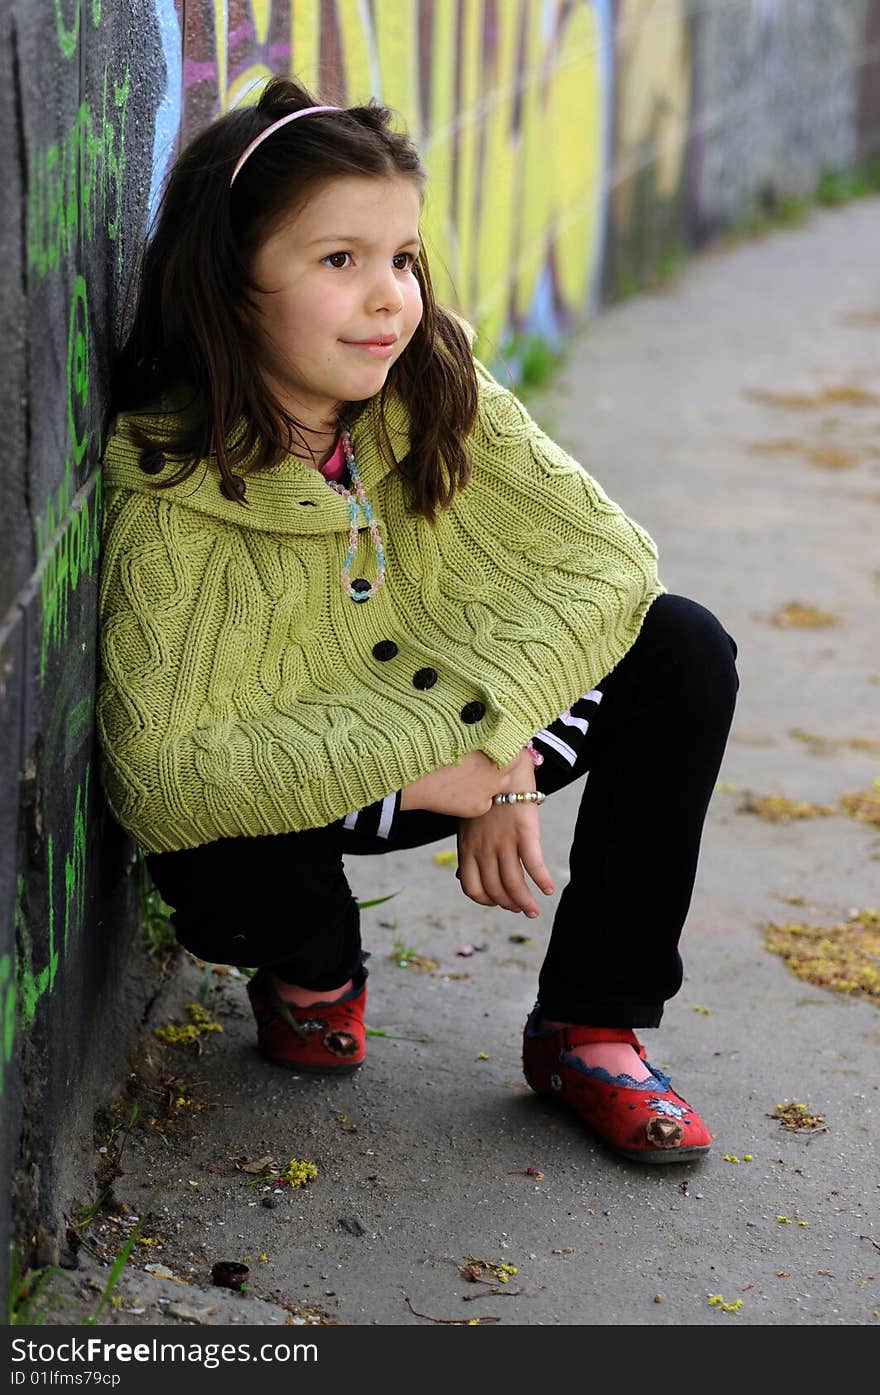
363, 592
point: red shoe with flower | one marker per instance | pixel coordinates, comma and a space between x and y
321, 1039
642, 1120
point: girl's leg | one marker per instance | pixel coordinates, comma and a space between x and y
281, 903
652, 750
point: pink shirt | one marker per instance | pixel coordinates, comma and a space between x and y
335, 466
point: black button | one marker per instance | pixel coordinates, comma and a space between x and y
238, 489
472, 712
425, 678
360, 584
152, 462
385, 649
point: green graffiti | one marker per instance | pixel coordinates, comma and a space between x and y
69, 528
68, 545
32, 986
68, 34
7, 999
75, 863
80, 716
78, 365
75, 183
24, 991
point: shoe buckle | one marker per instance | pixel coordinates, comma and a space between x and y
341, 1043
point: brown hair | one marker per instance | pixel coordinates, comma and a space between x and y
190, 343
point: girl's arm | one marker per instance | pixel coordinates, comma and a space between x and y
466, 789
560, 742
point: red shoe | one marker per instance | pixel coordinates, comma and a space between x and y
645, 1121
321, 1039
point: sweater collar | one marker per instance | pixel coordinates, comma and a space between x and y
290, 497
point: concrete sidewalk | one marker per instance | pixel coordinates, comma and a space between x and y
422, 1157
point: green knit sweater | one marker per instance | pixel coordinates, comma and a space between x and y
243, 692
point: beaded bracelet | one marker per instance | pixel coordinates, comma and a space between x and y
523, 797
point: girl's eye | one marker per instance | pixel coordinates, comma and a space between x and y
337, 266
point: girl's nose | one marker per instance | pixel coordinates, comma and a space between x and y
385, 292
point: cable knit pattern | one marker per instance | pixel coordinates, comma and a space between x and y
239, 692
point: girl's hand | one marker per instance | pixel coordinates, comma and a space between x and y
495, 849
466, 789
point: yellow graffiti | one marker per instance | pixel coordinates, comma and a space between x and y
397, 44
305, 41
495, 216
653, 97
577, 119
437, 154
359, 61
262, 13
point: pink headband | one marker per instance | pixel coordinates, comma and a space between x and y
276, 125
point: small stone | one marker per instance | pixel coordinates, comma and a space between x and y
228, 1274
269, 1201
352, 1225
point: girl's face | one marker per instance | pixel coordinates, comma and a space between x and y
335, 275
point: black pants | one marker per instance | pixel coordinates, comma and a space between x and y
651, 753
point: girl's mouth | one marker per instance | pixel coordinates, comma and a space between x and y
377, 350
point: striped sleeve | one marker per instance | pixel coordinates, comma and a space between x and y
562, 741
377, 820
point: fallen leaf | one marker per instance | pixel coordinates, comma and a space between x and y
833, 457
473, 1269
795, 1116
842, 957
265, 1164
778, 809
798, 614
825, 397
188, 1314
865, 805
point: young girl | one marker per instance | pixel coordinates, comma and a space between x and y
354, 600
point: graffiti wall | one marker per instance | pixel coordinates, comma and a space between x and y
80, 138
570, 144
778, 100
